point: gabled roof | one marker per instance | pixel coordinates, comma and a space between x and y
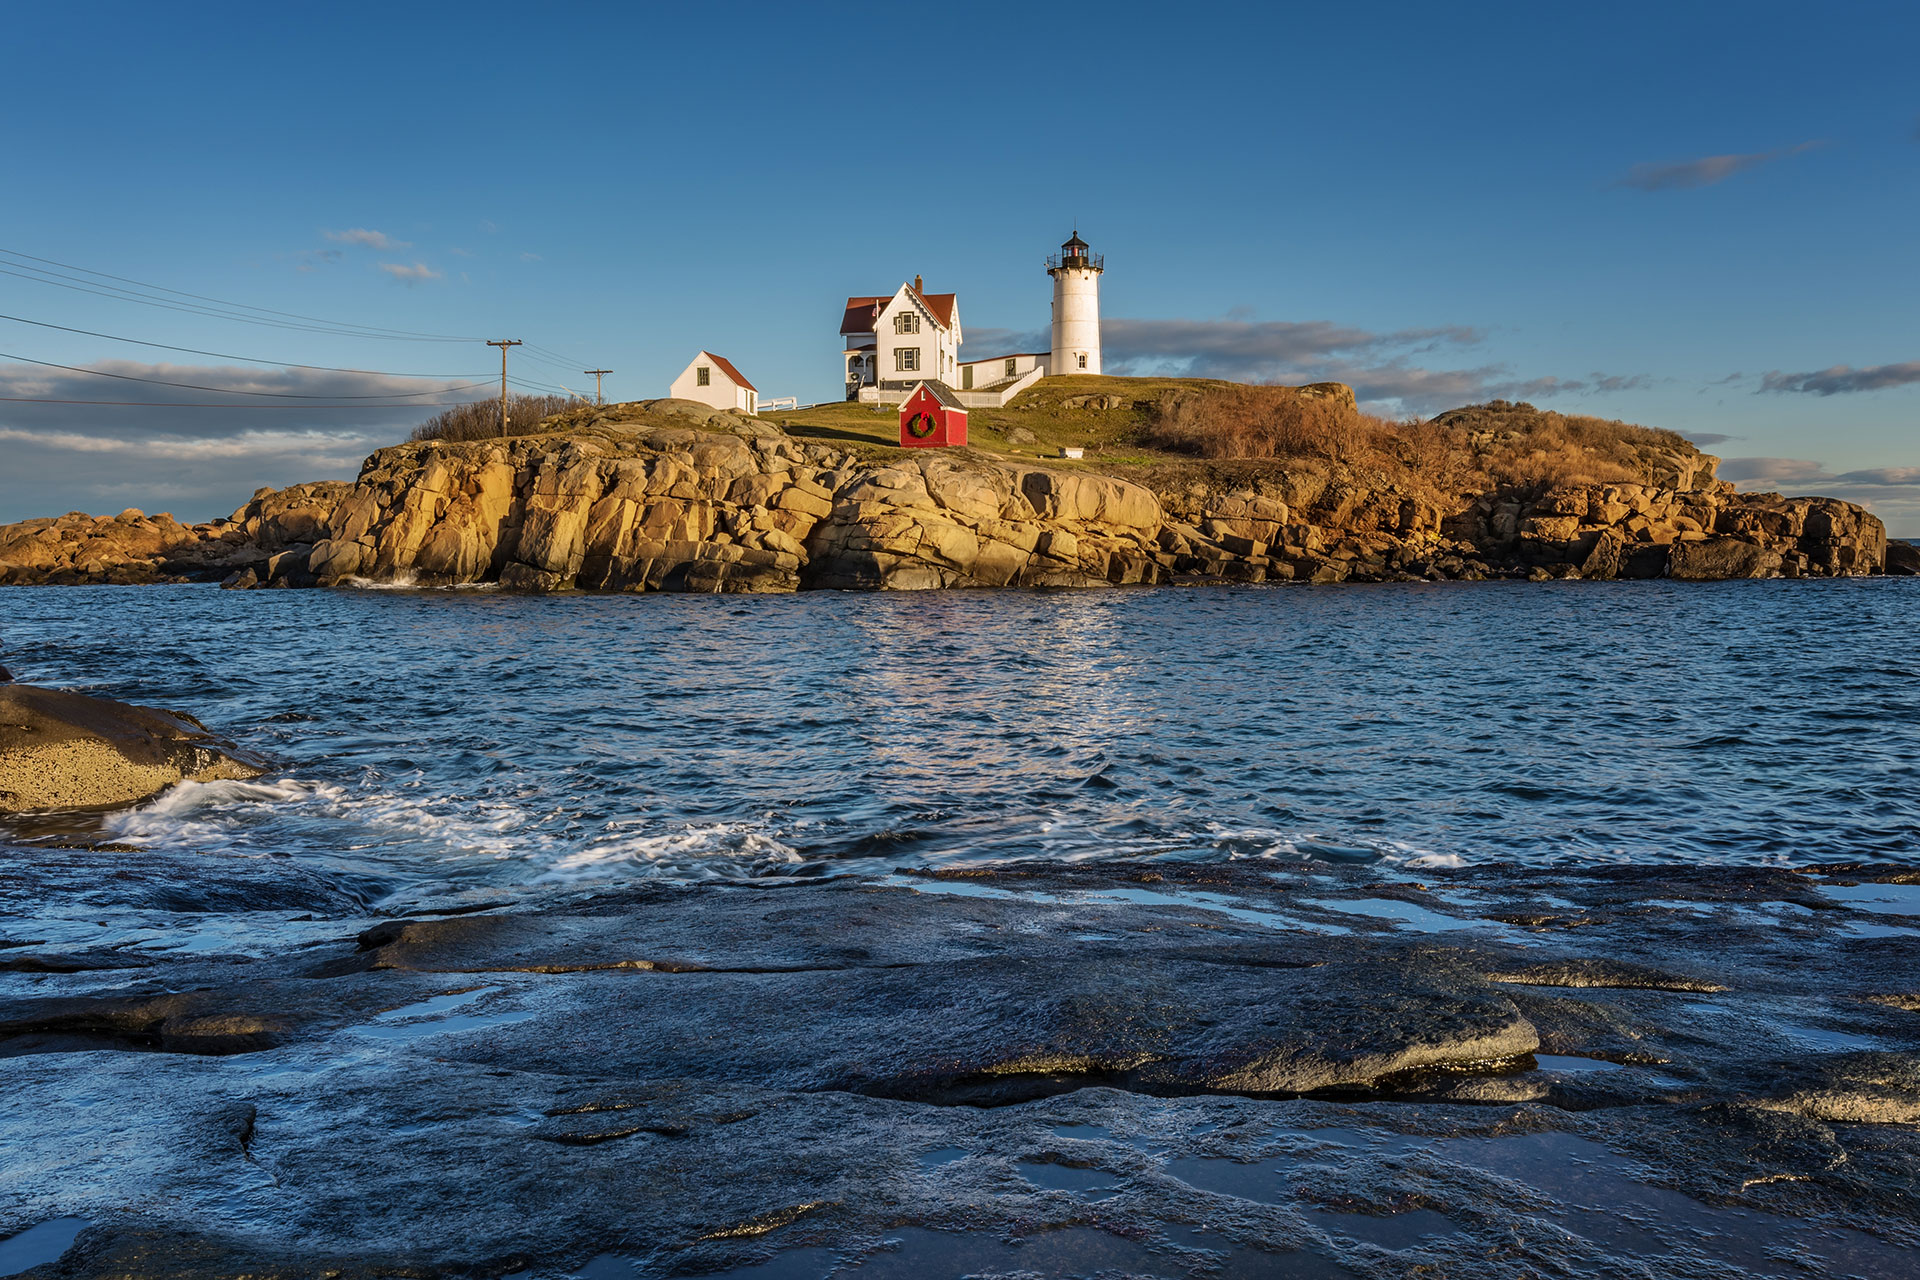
726, 367
938, 305
862, 313
941, 392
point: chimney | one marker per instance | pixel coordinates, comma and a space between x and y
917, 286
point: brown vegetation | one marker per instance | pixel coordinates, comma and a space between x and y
1493, 445
1260, 422
481, 419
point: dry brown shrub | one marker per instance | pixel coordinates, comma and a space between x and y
1517, 445
481, 419
1259, 422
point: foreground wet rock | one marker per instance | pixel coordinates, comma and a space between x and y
63, 750
1184, 1070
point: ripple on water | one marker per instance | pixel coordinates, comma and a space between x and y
470, 741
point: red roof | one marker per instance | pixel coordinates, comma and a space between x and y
940, 304
726, 367
942, 395
862, 312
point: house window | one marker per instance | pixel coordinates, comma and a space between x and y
1010, 368
1082, 358
907, 322
703, 377
906, 359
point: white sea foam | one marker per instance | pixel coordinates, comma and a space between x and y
405, 580
715, 850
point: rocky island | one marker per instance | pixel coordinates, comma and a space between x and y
1183, 482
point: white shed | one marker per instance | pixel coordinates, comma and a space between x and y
713, 380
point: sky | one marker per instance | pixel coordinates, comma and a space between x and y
1694, 216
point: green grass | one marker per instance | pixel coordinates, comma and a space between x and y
1111, 437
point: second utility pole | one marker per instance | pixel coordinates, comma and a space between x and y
503, 345
597, 375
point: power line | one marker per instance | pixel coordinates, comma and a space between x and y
372, 330
195, 386
225, 355
181, 404
122, 295
598, 374
555, 355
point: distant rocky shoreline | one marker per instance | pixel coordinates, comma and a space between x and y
732, 504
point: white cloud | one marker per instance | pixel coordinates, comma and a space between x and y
1389, 372
414, 274
334, 447
367, 239
1844, 379
1705, 171
1892, 493
200, 452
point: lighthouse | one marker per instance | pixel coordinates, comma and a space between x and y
1076, 308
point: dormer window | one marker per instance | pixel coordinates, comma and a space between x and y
907, 322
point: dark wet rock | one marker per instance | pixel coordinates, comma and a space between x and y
1719, 558
1583, 971
1184, 1072
61, 750
1860, 1088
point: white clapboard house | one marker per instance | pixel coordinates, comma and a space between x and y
713, 380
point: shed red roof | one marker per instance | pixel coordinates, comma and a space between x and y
942, 395
726, 367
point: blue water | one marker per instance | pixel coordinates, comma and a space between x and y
428, 743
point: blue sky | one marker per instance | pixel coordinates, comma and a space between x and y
1693, 216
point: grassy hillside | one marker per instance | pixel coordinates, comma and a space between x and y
1169, 432
1166, 428
1108, 434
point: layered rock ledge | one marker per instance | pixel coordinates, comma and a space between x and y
1170, 1070
635, 506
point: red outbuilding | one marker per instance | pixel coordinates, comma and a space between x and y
932, 418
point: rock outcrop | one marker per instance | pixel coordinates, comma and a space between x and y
133, 547
681, 509
739, 506
61, 750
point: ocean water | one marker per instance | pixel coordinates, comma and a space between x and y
470, 742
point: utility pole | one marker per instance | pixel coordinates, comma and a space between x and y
503, 345
597, 375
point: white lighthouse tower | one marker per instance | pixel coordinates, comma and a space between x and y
1076, 308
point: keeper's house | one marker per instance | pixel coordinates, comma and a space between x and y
713, 380
898, 341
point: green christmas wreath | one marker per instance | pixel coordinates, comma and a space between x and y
920, 426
